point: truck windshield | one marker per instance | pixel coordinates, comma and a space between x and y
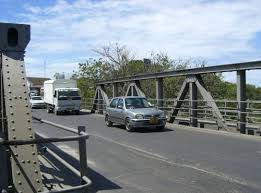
36, 98
68, 94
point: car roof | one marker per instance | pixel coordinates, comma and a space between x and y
124, 97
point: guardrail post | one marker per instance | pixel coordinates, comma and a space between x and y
82, 154
241, 98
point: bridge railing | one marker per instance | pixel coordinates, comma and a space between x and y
229, 110
81, 136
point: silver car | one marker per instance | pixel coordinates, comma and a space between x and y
134, 112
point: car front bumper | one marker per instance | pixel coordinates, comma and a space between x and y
146, 123
40, 105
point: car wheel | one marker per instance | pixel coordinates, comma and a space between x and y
107, 121
77, 112
128, 126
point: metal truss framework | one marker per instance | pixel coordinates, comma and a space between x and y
253, 65
193, 83
100, 98
134, 89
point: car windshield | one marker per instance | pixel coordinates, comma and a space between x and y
36, 98
135, 103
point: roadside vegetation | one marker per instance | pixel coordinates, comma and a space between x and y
117, 61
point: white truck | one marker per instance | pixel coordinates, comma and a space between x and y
62, 96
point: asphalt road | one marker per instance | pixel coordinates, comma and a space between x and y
175, 160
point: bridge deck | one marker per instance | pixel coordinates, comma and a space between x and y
176, 160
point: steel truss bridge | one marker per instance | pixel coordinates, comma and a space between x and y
24, 152
187, 107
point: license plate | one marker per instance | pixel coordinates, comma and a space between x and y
153, 120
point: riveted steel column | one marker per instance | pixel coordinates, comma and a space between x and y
26, 176
194, 104
115, 90
159, 92
241, 98
5, 164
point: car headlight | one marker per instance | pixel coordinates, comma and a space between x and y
162, 115
139, 116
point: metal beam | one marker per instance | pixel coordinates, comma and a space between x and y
25, 168
99, 99
211, 103
177, 104
202, 70
115, 90
194, 104
134, 89
241, 98
159, 92
198, 84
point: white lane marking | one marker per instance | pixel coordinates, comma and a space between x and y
158, 157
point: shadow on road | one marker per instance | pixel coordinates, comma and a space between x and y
58, 176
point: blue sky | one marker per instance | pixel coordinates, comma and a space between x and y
64, 33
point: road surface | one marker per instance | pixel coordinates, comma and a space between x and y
172, 161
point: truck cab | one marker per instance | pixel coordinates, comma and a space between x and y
67, 99
62, 96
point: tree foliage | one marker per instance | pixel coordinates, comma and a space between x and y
118, 61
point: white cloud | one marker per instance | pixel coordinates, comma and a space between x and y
218, 31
